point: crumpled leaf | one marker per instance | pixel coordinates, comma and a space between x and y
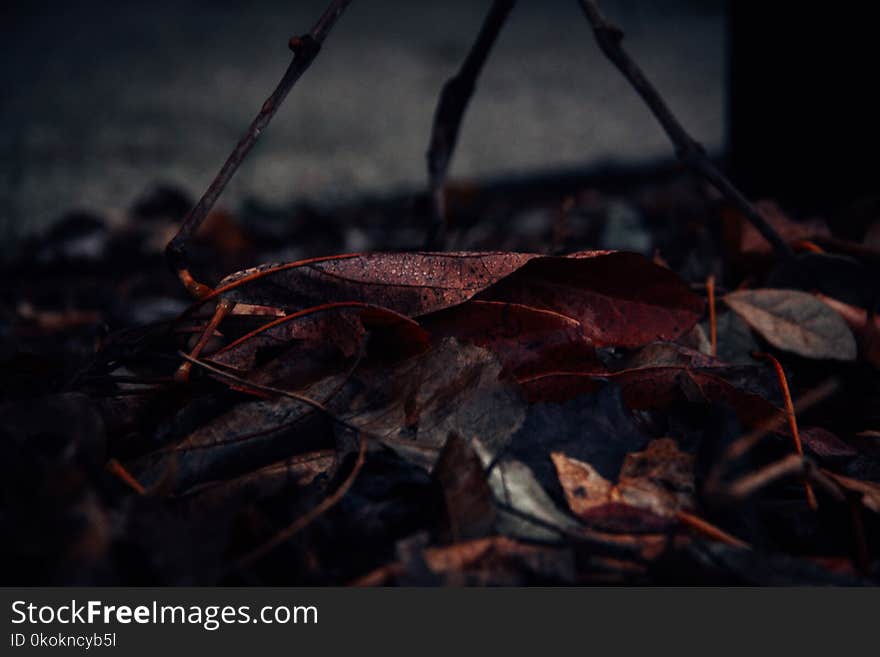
658, 480
415, 405
535, 515
795, 321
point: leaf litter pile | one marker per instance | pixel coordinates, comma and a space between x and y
477, 417
623, 379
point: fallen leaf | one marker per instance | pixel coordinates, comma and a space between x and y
411, 284
663, 373
868, 331
415, 405
341, 325
248, 436
795, 321
526, 340
469, 504
652, 487
619, 299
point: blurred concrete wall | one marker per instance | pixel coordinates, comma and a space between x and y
102, 98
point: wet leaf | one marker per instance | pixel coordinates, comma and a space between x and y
661, 374
526, 340
411, 284
826, 445
795, 321
620, 299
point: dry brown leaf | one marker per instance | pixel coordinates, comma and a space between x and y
795, 321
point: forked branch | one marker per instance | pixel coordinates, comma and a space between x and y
305, 49
451, 106
688, 150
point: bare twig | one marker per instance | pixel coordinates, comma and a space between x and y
115, 468
688, 150
710, 531
451, 106
792, 419
743, 445
305, 49
793, 464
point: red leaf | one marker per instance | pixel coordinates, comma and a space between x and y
409, 283
528, 341
619, 299
654, 387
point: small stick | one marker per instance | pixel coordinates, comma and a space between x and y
688, 150
748, 484
451, 106
713, 328
115, 468
709, 530
305, 49
223, 308
792, 420
812, 397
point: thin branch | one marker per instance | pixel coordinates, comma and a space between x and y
305, 49
791, 416
688, 150
451, 106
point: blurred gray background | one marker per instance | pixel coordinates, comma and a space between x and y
100, 99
